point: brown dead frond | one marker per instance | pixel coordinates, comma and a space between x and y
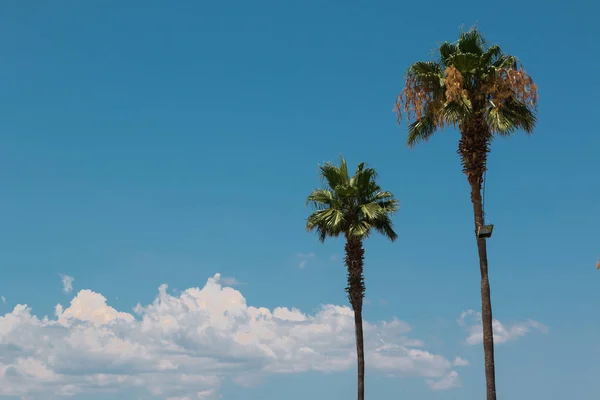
514, 83
422, 96
455, 90
412, 100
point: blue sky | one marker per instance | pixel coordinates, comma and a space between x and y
165, 142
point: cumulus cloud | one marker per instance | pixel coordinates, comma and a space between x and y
185, 346
229, 281
304, 258
470, 320
449, 381
460, 362
67, 283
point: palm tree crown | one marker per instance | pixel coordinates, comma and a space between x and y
352, 206
471, 80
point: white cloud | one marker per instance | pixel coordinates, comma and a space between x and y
229, 281
209, 394
450, 381
3, 299
67, 283
304, 258
186, 346
460, 362
470, 320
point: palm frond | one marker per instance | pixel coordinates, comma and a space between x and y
390, 206
365, 180
506, 61
425, 68
510, 116
320, 198
420, 130
455, 112
370, 210
471, 41
386, 201
344, 170
446, 50
384, 226
331, 175
492, 55
327, 222
466, 63
360, 229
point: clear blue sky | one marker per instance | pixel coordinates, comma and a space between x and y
151, 142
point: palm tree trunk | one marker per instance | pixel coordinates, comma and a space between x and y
356, 291
360, 353
473, 148
486, 301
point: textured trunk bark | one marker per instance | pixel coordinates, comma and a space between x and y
356, 292
486, 300
473, 148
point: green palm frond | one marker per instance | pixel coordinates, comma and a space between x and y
466, 63
352, 206
366, 184
327, 222
506, 61
426, 69
455, 112
446, 50
359, 230
506, 118
334, 175
421, 130
491, 55
429, 73
471, 41
370, 210
344, 170
385, 227
386, 201
320, 198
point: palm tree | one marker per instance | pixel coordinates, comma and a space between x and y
485, 93
352, 206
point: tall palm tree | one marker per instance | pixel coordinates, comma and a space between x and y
485, 93
353, 207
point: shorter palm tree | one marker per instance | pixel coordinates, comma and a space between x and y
352, 206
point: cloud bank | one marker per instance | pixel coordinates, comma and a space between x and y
186, 346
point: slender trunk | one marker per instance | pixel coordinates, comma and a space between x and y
356, 291
360, 353
473, 149
486, 300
